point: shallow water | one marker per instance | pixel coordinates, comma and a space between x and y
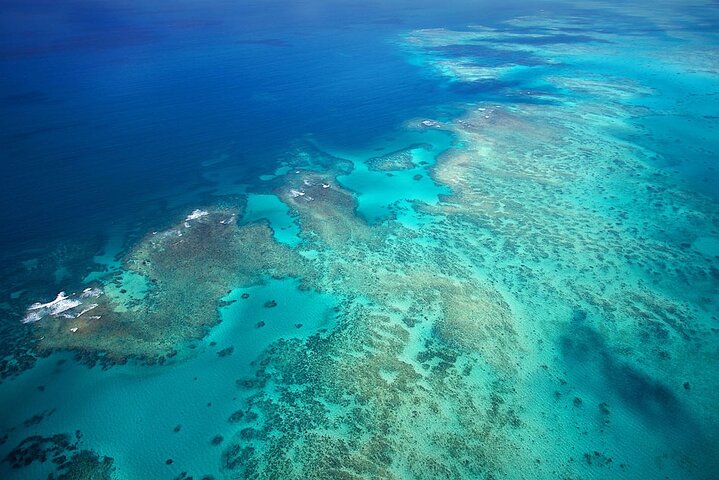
360, 241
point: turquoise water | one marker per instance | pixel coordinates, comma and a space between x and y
380, 190
142, 409
271, 209
407, 241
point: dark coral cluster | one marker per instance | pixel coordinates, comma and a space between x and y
25, 280
71, 462
344, 405
398, 160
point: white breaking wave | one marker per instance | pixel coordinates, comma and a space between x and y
61, 305
85, 310
91, 292
31, 317
62, 302
196, 214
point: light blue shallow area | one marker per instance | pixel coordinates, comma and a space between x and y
270, 208
138, 407
379, 191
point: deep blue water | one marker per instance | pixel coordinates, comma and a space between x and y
102, 103
105, 102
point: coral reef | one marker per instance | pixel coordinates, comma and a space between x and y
554, 306
27, 276
346, 404
72, 462
174, 280
326, 210
397, 160
448, 335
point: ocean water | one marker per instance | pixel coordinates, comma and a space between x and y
359, 240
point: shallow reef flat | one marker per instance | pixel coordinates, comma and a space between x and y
597, 265
397, 160
168, 290
518, 289
407, 365
601, 249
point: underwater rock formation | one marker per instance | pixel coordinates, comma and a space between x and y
397, 160
72, 462
326, 210
353, 401
175, 279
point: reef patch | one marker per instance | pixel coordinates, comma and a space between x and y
169, 290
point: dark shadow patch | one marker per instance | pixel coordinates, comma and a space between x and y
642, 393
226, 352
481, 86
23, 99
97, 41
547, 39
505, 92
650, 398
578, 316
63, 451
583, 343
584, 349
268, 42
488, 56
30, 134
37, 418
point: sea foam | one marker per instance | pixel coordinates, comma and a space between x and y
61, 305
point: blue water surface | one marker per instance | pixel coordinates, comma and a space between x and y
105, 103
